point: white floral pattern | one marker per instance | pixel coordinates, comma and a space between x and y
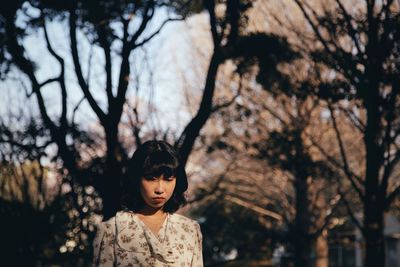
124, 240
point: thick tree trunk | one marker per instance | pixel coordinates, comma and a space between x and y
375, 191
112, 174
111, 190
374, 194
375, 249
373, 226
302, 252
374, 236
302, 238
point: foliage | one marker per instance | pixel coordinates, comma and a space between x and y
231, 231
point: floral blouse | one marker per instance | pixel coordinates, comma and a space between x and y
124, 240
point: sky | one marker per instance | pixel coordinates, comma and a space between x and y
161, 66
168, 73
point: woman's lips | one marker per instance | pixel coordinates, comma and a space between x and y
158, 199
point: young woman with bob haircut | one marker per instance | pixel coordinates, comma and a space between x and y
147, 232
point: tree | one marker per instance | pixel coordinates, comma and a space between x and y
97, 20
355, 45
279, 139
277, 169
45, 221
108, 27
116, 30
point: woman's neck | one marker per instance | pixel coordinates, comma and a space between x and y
148, 211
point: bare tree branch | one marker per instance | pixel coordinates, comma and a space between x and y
61, 78
313, 26
339, 55
105, 44
350, 211
157, 31
76, 109
332, 159
351, 30
147, 15
345, 165
353, 118
26, 66
229, 102
48, 81
210, 5
254, 207
334, 204
209, 192
82, 83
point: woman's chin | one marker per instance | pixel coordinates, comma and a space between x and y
156, 205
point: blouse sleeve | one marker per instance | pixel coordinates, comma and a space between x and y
197, 260
103, 246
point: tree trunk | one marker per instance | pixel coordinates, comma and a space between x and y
302, 252
375, 192
302, 238
186, 141
374, 195
374, 236
111, 190
321, 250
112, 174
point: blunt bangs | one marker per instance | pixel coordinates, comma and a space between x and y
160, 163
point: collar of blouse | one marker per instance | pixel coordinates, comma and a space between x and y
134, 236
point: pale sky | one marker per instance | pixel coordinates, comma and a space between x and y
165, 54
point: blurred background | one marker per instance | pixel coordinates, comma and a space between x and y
286, 114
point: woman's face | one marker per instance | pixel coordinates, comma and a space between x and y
156, 191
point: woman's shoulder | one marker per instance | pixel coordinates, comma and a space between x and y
119, 215
185, 225
118, 218
179, 218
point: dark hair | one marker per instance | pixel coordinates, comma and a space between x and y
153, 158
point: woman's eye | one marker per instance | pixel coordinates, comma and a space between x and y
171, 178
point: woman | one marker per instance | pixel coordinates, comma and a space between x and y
148, 232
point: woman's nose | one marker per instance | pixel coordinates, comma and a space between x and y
160, 187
